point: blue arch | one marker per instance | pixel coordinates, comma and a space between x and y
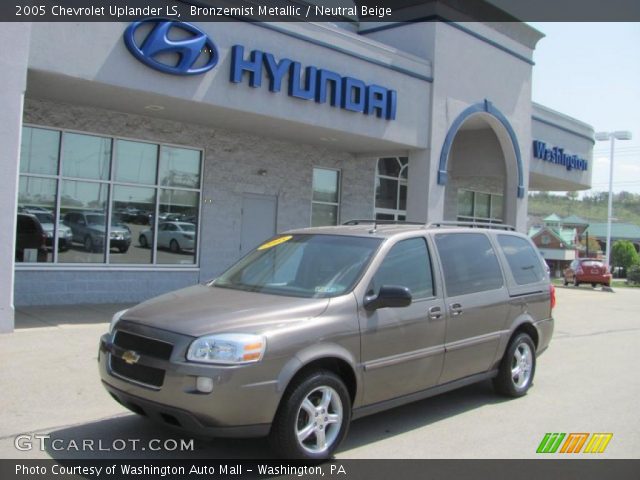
482, 107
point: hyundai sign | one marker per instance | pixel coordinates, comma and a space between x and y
195, 53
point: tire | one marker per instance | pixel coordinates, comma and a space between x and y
594, 285
517, 367
174, 246
88, 244
142, 240
295, 433
576, 283
123, 249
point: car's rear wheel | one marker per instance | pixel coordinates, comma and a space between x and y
142, 240
576, 283
174, 246
594, 285
313, 417
517, 368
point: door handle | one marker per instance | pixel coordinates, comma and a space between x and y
435, 313
455, 309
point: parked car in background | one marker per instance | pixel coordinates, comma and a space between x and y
587, 270
65, 235
319, 326
176, 236
30, 236
89, 228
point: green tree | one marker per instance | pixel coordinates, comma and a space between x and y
623, 254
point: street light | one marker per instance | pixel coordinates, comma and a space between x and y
613, 136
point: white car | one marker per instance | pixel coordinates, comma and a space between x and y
65, 236
176, 236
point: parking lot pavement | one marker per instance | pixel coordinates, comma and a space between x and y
585, 382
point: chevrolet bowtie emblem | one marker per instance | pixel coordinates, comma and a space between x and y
131, 357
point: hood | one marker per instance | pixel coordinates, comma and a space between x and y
202, 310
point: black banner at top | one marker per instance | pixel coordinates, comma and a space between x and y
350, 11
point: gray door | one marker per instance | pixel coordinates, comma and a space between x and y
258, 220
477, 303
403, 348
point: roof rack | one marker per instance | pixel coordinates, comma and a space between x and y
445, 223
495, 226
380, 222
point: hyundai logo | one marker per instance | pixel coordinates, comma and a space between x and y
191, 46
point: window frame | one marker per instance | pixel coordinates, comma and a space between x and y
396, 212
111, 184
474, 218
319, 202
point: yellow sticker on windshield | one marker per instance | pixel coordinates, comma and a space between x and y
275, 242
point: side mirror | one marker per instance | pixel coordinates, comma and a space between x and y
392, 296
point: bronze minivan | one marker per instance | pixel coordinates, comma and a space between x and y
320, 326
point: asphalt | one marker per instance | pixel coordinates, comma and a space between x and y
586, 382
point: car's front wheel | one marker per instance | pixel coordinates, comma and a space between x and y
313, 417
517, 367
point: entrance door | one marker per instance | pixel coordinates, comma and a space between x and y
258, 220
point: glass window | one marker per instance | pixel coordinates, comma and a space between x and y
483, 205
136, 162
326, 197
39, 151
408, 265
179, 167
469, 263
302, 266
523, 260
322, 215
131, 236
391, 188
465, 203
72, 203
86, 156
36, 198
178, 218
325, 185
83, 209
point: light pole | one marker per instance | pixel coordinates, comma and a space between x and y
613, 136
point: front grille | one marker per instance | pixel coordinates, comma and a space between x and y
139, 373
143, 345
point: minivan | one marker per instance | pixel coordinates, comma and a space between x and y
320, 326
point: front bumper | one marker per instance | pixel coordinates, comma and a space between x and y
242, 403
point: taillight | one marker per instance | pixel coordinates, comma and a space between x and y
552, 292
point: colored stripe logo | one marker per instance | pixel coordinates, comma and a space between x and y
574, 442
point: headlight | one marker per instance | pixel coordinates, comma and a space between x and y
227, 348
115, 319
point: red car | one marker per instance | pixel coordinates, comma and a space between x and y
587, 270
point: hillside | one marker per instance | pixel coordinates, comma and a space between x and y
626, 206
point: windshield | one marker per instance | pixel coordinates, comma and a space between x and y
95, 219
44, 217
311, 266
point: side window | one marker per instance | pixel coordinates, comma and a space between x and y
407, 264
524, 262
469, 263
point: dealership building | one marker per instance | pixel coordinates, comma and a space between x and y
186, 144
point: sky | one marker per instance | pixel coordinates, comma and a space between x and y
591, 71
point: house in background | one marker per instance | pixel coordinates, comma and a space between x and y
558, 244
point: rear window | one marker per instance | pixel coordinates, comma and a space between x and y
469, 263
523, 260
592, 263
